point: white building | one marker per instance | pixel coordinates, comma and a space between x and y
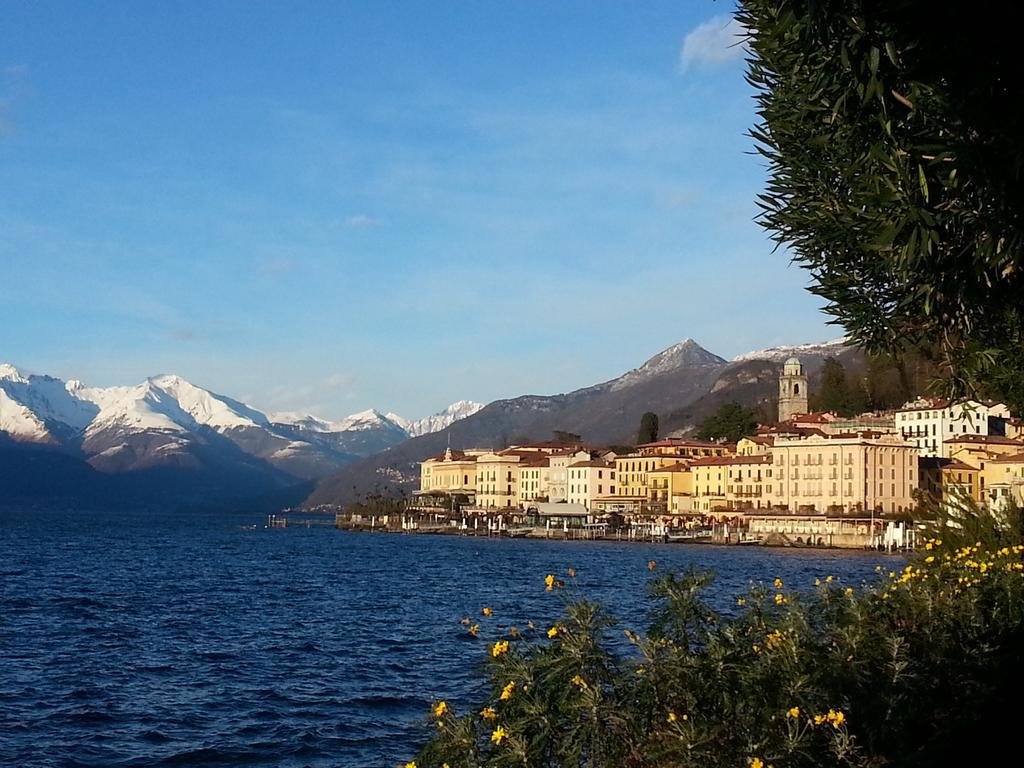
558, 472
927, 423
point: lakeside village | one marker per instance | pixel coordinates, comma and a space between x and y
812, 479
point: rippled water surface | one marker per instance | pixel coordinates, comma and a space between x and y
152, 640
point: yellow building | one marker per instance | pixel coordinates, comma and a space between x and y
670, 487
866, 472
634, 469
590, 480
1004, 480
941, 477
710, 480
754, 445
451, 472
497, 480
681, 448
534, 480
731, 483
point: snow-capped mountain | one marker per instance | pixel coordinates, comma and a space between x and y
783, 353
168, 421
441, 420
684, 355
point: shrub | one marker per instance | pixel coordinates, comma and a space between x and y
918, 669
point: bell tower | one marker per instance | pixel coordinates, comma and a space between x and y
792, 390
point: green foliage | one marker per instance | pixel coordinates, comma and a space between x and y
892, 134
918, 669
730, 422
838, 391
561, 436
648, 428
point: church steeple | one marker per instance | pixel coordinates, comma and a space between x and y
792, 390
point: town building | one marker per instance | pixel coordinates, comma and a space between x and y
930, 423
558, 471
941, 479
534, 479
670, 489
1004, 478
866, 472
497, 480
589, 480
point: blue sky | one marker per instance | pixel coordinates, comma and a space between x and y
335, 206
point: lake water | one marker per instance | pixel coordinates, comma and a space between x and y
159, 640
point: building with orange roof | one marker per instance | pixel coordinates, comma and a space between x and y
1004, 476
942, 478
867, 473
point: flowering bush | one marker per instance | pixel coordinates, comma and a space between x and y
915, 670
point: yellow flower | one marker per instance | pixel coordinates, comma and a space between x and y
817, 582
835, 718
579, 681
486, 611
474, 629
755, 762
488, 713
930, 559
506, 692
411, 764
793, 712
848, 591
741, 601
553, 631
440, 709
780, 599
828, 579
500, 647
640, 670
499, 735
819, 719
671, 716
549, 581
778, 583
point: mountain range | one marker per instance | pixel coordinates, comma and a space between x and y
682, 385
182, 437
169, 440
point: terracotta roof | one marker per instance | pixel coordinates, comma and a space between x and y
985, 439
1013, 458
679, 442
593, 463
957, 464
710, 461
544, 462
679, 466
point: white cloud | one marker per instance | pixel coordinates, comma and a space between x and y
715, 42
362, 221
